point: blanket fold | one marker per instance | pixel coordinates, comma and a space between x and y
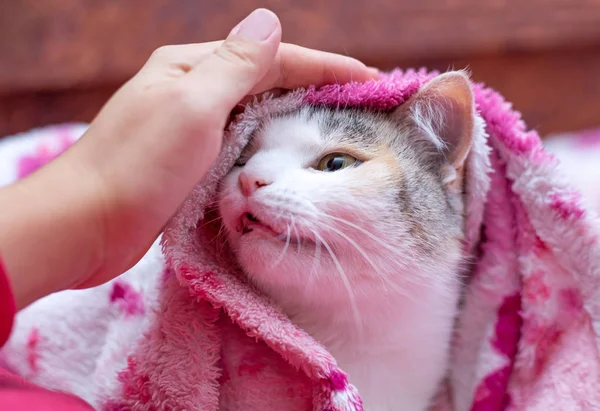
184, 329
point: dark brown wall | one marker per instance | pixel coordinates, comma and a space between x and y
61, 59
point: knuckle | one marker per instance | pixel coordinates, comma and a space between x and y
238, 53
162, 52
283, 76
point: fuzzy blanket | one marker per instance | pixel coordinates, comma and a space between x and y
183, 330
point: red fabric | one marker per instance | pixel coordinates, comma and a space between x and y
7, 306
16, 394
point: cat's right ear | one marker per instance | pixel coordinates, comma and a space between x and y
444, 110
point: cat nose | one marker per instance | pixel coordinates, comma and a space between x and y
250, 183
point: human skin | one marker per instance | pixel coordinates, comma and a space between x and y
92, 213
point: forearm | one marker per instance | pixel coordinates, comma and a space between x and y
41, 217
93, 213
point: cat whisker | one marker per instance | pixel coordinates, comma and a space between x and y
352, 243
215, 201
414, 255
370, 261
218, 238
210, 222
351, 295
285, 248
347, 55
413, 280
315, 263
316, 256
362, 230
224, 245
336, 81
298, 239
219, 234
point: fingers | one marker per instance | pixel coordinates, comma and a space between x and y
247, 55
297, 66
293, 67
218, 75
230, 73
183, 56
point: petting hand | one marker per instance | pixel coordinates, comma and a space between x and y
92, 213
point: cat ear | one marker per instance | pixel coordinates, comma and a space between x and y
444, 109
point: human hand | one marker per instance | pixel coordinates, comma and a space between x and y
92, 213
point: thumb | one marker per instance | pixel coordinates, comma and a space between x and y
227, 75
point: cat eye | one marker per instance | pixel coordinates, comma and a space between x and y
242, 160
337, 161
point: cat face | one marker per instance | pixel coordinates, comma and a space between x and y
340, 199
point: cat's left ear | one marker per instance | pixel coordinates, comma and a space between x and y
444, 109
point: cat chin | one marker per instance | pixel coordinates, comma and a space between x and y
268, 260
266, 251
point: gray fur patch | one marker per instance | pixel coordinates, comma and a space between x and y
434, 211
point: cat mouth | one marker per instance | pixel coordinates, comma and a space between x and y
249, 223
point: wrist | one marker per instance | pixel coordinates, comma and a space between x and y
50, 231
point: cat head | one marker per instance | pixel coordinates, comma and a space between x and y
339, 197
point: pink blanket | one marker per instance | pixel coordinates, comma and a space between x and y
184, 330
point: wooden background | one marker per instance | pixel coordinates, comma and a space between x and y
61, 59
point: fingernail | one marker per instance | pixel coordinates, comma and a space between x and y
258, 26
374, 71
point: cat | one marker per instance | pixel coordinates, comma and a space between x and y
351, 220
